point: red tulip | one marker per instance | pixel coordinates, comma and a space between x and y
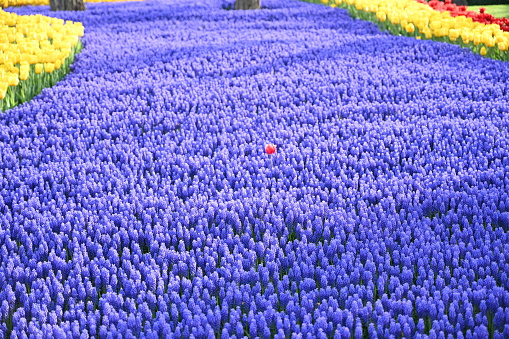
270, 149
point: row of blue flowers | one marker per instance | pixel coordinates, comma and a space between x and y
136, 198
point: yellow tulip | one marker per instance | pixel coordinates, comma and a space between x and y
3, 91
435, 25
24, 67
49, 67
38, 68
381, 16
442, 31
465, 37
477, 39
427, 33
394, 17
454, 34
483, 51
23, 75
13, 80
488, 40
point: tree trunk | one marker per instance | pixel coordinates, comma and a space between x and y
67, 5
247, 4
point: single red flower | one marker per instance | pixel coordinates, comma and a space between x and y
270, 149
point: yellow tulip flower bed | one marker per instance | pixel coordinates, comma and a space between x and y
415, 19
35, 52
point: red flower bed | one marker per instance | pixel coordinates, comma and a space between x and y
455, 10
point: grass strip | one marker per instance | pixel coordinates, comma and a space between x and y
498, 11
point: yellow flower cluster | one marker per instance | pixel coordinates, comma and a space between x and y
12, 3
33, 43
420, 20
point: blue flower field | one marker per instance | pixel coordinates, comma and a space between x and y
137, 199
